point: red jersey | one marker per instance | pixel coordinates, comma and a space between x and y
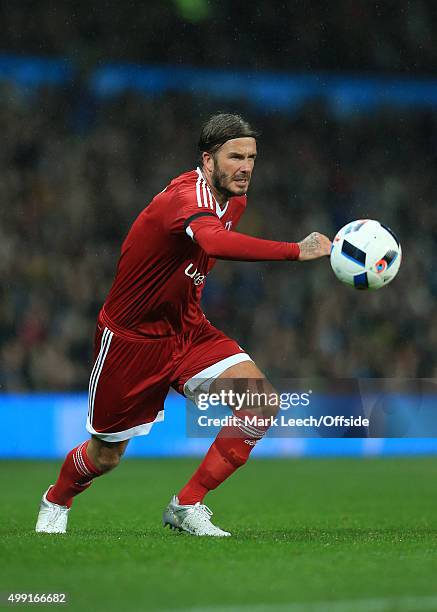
168, 252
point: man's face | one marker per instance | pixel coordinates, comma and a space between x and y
232, 166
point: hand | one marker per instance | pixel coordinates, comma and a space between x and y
314, 246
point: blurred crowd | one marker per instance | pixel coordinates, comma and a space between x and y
318, 35
70, 188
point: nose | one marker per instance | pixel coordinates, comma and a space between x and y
246, 166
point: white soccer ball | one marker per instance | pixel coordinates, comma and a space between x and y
366, 254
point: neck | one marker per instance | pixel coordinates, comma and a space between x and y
221, 198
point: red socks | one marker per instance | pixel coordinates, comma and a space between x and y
229, 451
76, 475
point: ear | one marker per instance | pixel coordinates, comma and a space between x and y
208, 161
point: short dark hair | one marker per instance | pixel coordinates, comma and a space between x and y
222, 127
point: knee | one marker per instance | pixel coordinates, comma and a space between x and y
107, 461
265, 411
104, 455
270, 411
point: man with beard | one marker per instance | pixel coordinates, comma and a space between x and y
152, 334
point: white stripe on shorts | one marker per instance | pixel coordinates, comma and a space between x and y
97, 369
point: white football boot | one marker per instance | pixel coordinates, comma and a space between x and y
195, 519
52, 518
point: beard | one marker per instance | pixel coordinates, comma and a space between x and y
221, 181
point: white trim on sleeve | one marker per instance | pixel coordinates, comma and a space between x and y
190, 233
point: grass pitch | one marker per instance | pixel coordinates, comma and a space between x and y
313, 534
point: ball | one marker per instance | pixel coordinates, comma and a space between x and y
366, 254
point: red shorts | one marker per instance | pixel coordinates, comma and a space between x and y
131, 378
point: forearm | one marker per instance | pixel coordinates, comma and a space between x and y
221, 244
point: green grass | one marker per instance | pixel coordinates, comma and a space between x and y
314, 530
